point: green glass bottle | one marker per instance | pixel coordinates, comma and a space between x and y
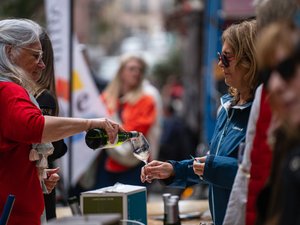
97, 138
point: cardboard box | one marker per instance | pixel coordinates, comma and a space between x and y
128, 200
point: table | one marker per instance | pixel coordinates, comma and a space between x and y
185, 207
155, 209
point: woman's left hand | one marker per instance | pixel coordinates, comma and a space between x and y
198, 165
52, 179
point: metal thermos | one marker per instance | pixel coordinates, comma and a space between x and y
172, 209
74, 205
165, 198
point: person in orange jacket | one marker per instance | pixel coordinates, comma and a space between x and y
130, 101
135, 103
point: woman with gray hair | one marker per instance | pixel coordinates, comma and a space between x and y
22, 123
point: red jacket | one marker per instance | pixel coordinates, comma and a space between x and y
21, 124
261, 157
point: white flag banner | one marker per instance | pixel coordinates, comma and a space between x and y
58, 23
86, 102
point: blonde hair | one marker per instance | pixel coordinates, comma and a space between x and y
112, 92
241, 38
271, 37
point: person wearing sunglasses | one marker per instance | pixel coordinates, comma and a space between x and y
218, 169
279, 63
22, 125
254, 170
286, 69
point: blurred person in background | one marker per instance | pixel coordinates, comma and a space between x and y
155, 132
133, 103
128, 102
24, 132
171, 146
219, 167
279, 62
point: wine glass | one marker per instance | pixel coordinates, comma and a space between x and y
140, 148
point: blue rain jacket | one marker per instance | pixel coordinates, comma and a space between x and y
221, 162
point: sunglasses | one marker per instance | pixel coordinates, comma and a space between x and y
224, 59
286, 68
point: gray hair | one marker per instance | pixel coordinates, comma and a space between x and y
16, 33
269, 11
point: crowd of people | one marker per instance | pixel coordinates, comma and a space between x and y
258, 119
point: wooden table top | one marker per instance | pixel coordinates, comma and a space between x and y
155, 210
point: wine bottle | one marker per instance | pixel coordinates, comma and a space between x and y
97, 138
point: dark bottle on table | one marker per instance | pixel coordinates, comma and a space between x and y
97, 138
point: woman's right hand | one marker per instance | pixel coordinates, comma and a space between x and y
156, 170
112, 128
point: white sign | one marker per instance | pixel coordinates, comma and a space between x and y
85, 96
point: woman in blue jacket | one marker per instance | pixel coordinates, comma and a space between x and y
219, 167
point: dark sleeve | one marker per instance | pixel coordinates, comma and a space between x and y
48, 106
60, 148
47, 103
220, 171
184, 175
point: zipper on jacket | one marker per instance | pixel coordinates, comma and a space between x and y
218, 147
223, 132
